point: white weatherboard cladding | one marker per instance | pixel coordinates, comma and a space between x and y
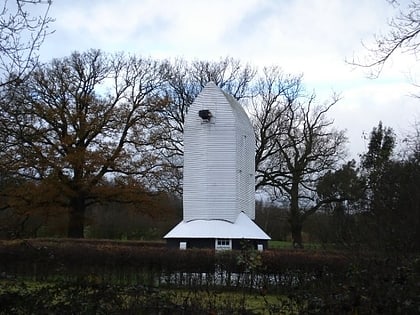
218, 159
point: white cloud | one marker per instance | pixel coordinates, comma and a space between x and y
312, 37
363, 106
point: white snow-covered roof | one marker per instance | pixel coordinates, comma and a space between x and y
243, 227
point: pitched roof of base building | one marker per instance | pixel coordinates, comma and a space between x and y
242, 228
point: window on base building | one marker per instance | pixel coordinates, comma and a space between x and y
223, 244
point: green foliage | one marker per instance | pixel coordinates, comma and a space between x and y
343, 184
83, 297
397, 207
380, 148
371, 286
392, 195
249, 258
381, 211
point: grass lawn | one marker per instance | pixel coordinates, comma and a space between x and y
252, 303
288, 245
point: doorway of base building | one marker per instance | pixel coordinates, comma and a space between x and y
223, 244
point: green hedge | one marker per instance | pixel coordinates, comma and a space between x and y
128, 263
315, 282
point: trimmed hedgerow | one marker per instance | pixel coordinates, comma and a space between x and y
122, 263
315, 282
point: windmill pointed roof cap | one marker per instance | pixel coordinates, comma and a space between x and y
211, 88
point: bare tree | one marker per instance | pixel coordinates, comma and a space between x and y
21, 35
184, 81
403, 36
296, 145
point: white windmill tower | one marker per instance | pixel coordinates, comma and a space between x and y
219, 176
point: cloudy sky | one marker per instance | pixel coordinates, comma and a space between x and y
309, 37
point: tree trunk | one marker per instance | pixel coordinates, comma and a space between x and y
77, 218
296, 220
297, 234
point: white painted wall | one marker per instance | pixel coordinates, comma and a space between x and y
218, 159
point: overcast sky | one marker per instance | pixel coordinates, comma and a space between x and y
309, 37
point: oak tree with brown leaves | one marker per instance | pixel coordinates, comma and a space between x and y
77, 124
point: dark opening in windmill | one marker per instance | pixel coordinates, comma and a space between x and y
205, 114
